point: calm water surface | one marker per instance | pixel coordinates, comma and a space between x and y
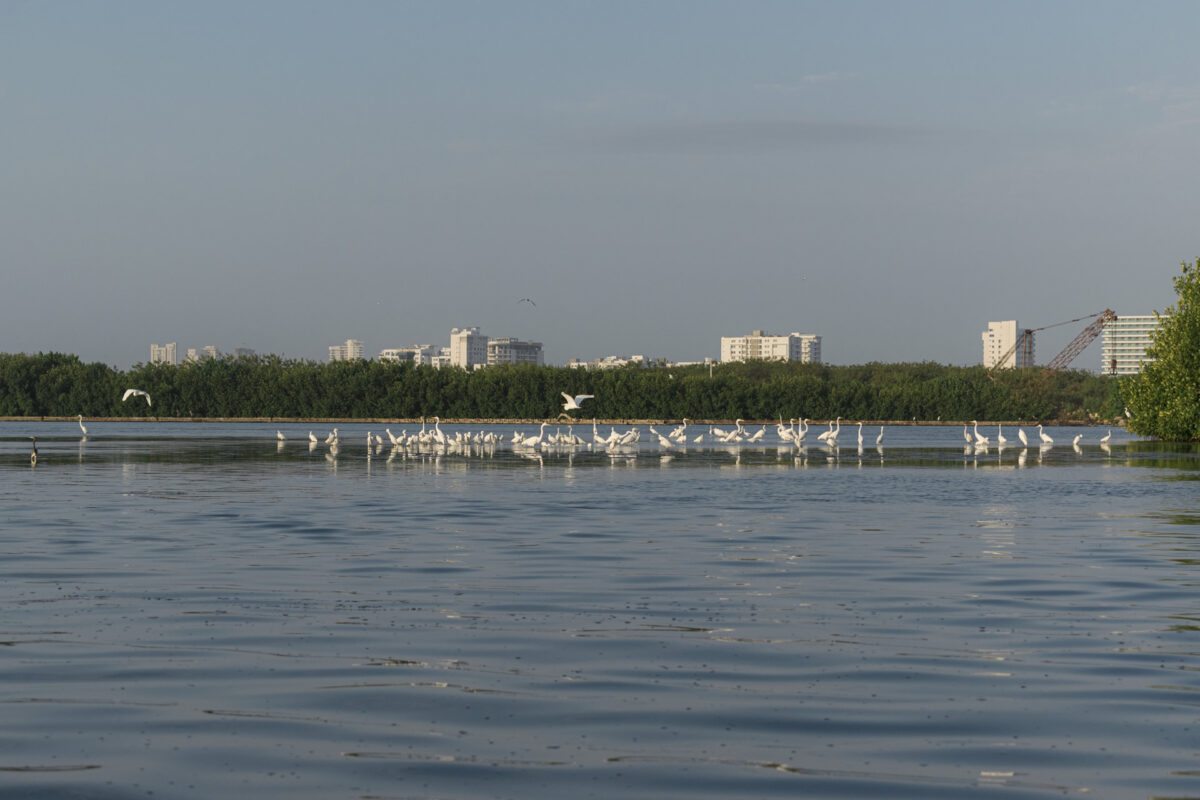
196, 611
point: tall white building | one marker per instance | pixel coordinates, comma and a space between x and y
208, 351
352, 350
164, 354
1123, 348
513, 351
758, 345
468, 347
1001, 347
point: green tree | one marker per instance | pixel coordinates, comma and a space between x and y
1164, 399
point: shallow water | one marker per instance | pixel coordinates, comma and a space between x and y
193, 610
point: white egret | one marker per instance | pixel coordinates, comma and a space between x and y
1045, 437
1022, 437
312, 437
1000, 440
800, 434
879, 438
572, 403
81, 425
979, 438
1104, 439
532, 441
966, 435
1075, 441
860, 436
279, 435
833, 437
135, 393
33, 452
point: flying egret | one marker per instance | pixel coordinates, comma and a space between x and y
135, 393
572, 403
81, 425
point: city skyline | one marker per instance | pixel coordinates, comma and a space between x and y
649, 176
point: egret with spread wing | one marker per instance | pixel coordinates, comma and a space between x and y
135, 393
572, 403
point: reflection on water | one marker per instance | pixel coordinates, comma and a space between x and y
199, 610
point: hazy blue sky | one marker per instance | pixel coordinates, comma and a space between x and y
888, 175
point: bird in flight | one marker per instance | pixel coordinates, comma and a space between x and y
527, 300
135, 393
573, 402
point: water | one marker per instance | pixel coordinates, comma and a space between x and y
193, 611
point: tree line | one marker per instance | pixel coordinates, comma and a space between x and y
61, 385
1164, 398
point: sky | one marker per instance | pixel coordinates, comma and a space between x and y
284, 175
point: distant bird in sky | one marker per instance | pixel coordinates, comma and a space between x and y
135, 393
573, 402
527, 300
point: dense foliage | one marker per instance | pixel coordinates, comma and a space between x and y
60, 385
1164, 399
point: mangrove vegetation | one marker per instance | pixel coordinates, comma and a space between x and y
61, 385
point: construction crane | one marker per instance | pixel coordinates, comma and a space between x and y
1068, 354
1082, 340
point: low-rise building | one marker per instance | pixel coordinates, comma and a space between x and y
607, 362
804, 347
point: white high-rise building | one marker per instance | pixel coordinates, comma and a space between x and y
513, 351
1001, 347
468, 348
804, 347
352, 350
164, 354
1123, 348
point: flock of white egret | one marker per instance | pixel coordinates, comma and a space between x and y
792, 435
